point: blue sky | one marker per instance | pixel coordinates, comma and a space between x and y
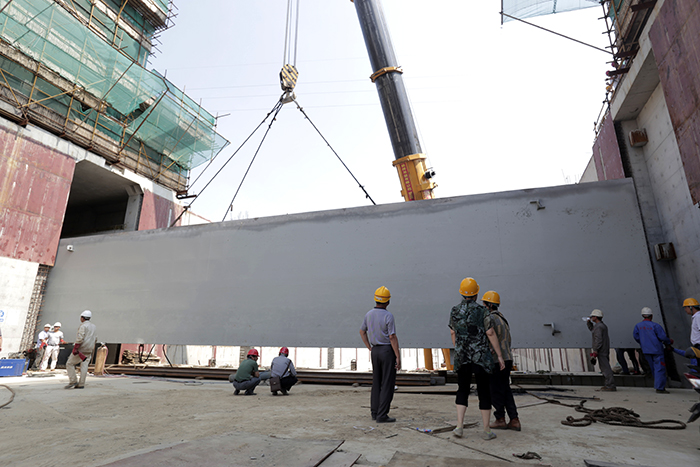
498, 107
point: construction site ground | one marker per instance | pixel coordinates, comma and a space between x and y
133, 421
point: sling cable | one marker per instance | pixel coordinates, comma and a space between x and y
288, 79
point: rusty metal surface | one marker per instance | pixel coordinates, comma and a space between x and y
606, 152
675, 40
305, 376
34, 186
157, 212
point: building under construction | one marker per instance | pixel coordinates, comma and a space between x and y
94, 143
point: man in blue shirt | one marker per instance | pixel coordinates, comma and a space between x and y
379, 335
652, 338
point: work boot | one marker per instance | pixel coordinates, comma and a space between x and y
514, 424
499, 424
284, 392
662, 391
386, 419
606, 388
236, 392
70, 385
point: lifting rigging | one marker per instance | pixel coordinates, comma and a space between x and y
288, 78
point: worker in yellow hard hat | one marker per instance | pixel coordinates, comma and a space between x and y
471, 329
692, 307
501, 395
378, 332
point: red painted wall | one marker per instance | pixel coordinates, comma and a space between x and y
34, 186
675, 40
606, 153
157, 212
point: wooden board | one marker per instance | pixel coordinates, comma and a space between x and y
340, 459
404, 459
236, 450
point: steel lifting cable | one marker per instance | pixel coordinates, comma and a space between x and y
288, 32
277, 109
336, 154
186, 208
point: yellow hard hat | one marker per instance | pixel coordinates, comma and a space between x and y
690, 302
468, 287
491, 297
382, 295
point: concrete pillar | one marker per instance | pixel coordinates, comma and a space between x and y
133, 208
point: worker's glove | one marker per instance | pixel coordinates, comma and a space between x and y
62, 341
594, 358
76, 346
671, 341
81, 356
43, 344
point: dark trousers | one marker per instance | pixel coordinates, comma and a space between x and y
288, 381
383, 380
501, 394
623, 363
483, 386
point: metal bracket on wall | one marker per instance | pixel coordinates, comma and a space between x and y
554, 331
537, 203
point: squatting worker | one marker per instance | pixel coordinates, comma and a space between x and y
652, 338
378, 332
501, 394
247, 377
283, 368
82, 351
601, 348
471, 328
692, 307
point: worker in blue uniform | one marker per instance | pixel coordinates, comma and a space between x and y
652, 338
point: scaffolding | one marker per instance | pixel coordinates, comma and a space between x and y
59, 72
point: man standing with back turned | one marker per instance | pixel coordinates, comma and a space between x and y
82, 351
379, 335
601, 348
652, 338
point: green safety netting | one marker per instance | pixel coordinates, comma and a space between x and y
150, 108
528, 8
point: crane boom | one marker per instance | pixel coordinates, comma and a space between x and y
409, 160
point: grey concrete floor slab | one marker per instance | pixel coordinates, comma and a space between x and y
115, 418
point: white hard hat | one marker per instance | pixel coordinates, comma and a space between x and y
57, 325
86, 314
47, 325
597, 313
646, 311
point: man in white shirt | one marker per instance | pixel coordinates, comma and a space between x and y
692, 307
41, 345
55, 338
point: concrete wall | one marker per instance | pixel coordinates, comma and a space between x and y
307, 279
16, 284
675, 38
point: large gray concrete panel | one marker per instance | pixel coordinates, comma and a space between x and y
308, 279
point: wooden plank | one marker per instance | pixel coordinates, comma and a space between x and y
592, 463
235, 450
340, 459
404, 459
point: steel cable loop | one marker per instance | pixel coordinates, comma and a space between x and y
336, 154
11, 397
278, 107
618, 416
225, 163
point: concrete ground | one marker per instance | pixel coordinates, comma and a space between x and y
128, 420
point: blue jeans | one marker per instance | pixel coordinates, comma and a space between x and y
658, 365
